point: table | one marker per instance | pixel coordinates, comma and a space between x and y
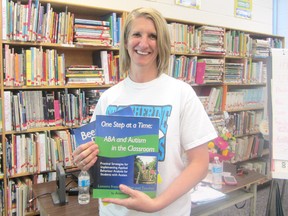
246, 189
47, 208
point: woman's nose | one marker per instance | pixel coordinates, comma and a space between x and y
144, 41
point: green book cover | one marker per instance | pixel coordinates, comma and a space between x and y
128, 151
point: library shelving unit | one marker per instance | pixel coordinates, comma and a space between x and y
39, 44
230, 80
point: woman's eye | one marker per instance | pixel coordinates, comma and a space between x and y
136, 35
153, 36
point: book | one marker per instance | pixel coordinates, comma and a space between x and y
8, 110
200, 72
84, 134
128, 151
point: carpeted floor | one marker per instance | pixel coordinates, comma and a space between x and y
262, 202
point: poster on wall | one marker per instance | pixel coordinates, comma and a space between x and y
279, 113
243, 9
189, 3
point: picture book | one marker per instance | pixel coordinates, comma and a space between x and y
128, 150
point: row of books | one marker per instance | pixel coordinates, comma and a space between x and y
38, 152
20, 198
37, 109
196, 70
109, 61
183, 37
38, 67
183, 67
249, 72
244, 99
35, 21
211, 40
215, 70
33, 67
248, 147
261, 166
213, 101
246, 122
257, 72
189, 39
238, 43
19, 193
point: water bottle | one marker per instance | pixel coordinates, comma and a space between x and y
83, 187
217, 172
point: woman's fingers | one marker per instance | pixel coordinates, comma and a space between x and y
85, 155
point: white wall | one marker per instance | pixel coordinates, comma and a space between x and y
212, 12
281, 17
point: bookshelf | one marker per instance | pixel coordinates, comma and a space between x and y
33, 128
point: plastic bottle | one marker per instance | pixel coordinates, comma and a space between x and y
83, 187
217, 172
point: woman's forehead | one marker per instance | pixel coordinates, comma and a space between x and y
143, 23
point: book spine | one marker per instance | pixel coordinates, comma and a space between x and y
200, 72
8, 110
4, 19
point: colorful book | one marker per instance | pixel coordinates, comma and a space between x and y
200, 72
128, 151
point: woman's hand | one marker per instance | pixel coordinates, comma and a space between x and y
85, 155
137, 200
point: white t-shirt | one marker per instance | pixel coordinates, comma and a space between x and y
184, 124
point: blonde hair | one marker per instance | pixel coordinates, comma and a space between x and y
163, 38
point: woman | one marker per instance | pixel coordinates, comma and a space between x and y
184, 124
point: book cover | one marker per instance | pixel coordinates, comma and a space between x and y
128, 150
85, 133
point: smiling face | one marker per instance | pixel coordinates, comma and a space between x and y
142, 46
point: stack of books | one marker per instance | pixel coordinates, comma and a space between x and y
260, 48
212, 40
92, 32
233, 72
212, 71
85, 74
